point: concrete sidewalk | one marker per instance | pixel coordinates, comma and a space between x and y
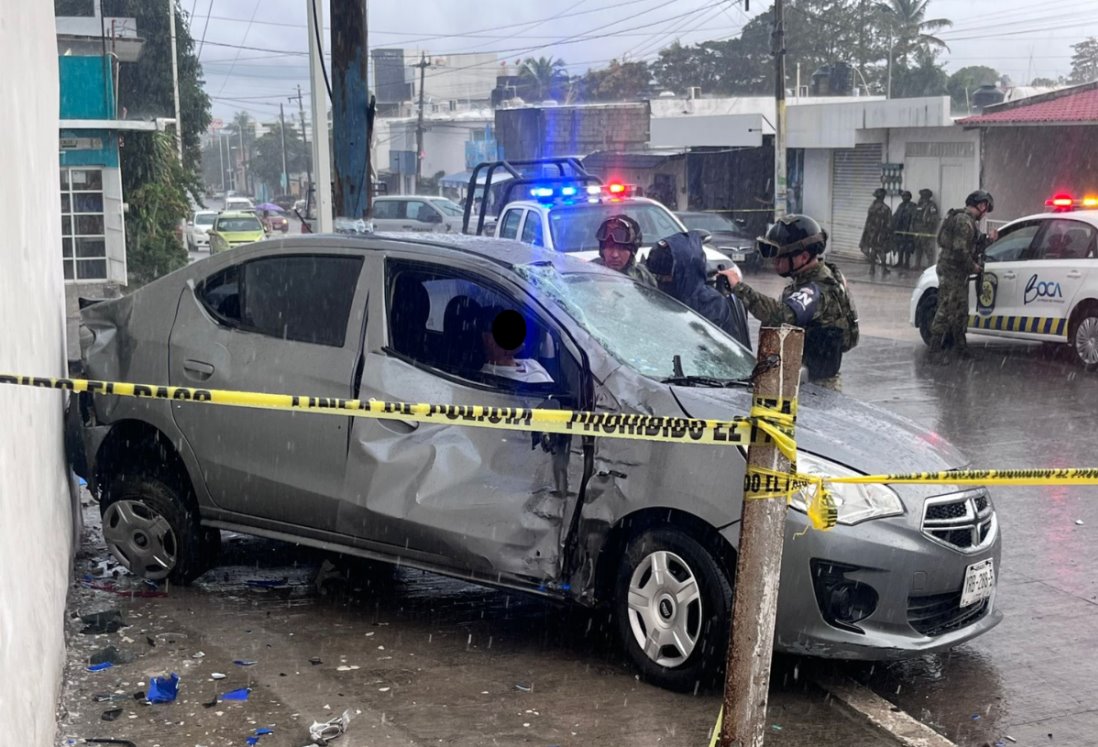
419, 660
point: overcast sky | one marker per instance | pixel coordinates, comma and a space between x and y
254, 52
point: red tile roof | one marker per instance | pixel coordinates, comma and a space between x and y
1069, 106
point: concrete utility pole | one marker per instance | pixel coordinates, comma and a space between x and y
321, 154
175, 83
759, 562
778, 42
304, 139
282, 131
350, 105
423, 64
221, 158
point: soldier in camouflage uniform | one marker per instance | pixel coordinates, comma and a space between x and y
816, 300
877, 235
619, 238
962, 243
926, 224
903, 221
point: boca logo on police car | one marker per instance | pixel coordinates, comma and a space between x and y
1037, 289
987, 290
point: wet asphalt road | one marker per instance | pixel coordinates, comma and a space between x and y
440, 661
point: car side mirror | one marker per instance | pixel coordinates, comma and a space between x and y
740, 222
706, 236
190, 223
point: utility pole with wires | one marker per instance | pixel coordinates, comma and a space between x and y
304, 139
350, 108
423, 64
175, 82
282, 131
322, 165
778, 50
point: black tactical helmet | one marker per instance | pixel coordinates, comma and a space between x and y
791, 235
905, 195
981, 195
880, 193
924, 192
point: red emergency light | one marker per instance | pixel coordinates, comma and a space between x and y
1063, 202
616, 188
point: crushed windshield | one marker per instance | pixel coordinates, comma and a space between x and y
574, 226
642, 327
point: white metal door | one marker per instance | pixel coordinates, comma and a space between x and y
855, 173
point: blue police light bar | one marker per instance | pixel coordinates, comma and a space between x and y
541, 192
567, 191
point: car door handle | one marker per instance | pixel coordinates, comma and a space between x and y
1009, 275
1075, 274
408, 228
198, 369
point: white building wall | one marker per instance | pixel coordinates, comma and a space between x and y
817, 186
36, 533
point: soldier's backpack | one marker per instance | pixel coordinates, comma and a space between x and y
943, 240
850, 312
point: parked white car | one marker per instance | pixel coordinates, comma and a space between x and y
198, 227
1040, 282
238, 203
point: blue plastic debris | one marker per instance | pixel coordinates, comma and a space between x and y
163, 689
244, 662
83, 483
263, 583
254, 739
100, 666
238, 694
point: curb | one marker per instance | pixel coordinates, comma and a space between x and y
904, 728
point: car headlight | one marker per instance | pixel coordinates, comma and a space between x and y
855, 503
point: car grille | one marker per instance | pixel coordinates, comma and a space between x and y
941, 613
962, 520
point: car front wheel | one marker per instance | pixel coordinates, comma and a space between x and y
673, 606
152, 531
924, 314
1084, 337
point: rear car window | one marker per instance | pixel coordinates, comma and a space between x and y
386, 209
304, 299
232, 225
509, 229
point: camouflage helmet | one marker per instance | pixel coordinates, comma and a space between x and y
880, 193
924, 192
792, 234
981, 195
619, 229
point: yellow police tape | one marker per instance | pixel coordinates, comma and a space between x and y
770, 420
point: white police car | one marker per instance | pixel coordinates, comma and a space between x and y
1040, 281
566, 218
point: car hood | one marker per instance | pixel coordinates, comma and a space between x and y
839, 428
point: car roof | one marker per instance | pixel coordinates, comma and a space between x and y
1086, 216
236, 214
206, 212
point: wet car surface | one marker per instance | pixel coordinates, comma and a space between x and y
575, 518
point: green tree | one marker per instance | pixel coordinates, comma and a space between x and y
541, 78
241, 136
926, 78
267, 156
619, 81
963, 82
1047, 82
910, 30
1084, 61
157, 205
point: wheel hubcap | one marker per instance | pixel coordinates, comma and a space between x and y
140, 538
665, 608
1086, 341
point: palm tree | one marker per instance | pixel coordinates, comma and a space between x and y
911, 31
539, 76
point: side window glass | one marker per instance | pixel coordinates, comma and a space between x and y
300, 298
471, 330
1065, 239
220, 294
1012, 245
509, 229
416, 210
531, 230
386, 209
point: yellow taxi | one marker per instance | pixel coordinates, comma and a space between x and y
233, 228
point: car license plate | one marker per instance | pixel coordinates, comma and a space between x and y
739, 256
979, 582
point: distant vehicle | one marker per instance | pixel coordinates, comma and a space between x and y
285, 202
198, 229
730, 238
417, 213
233, 229
238, 203
1040, 282
274, 221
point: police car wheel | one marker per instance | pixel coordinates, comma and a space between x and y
150, 529
924, 314
1084, 338
673, 604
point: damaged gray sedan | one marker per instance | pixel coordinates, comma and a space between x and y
646, 528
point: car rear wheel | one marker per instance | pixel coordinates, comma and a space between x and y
673, 605
1084, 338
153, 531
924, 314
